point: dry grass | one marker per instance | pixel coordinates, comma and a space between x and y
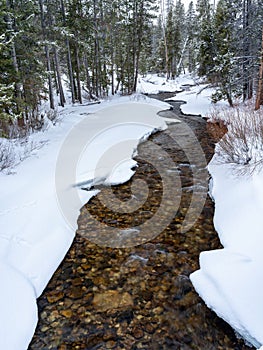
7, 158
242, 145
13, 152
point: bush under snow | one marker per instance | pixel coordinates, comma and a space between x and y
242, 145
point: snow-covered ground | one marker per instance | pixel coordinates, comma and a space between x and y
40, 199
152, 83
196, 95
198, 100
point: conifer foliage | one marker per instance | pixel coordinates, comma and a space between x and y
88, 47
52, 49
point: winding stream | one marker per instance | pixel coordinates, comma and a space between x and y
140, 297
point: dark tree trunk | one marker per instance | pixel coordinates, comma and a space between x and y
18, 86
47, 53
96, 51
69, 60
247, 80
259, 98
58, 75
88, 82
78, 74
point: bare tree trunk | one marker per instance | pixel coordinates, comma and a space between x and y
103, 35
87, 76
70, 71
140, 28
55, 80
18, 86
112, 69
259, 99
69, 60
50, 89
164, 39
96, 50
78, 74
247, 81
60, 87
180, 63
48, 63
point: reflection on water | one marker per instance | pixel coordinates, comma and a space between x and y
139, 297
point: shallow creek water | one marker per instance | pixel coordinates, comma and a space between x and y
140, 297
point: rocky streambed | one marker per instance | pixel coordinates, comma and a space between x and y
141, 297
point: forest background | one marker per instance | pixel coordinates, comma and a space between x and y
90, 49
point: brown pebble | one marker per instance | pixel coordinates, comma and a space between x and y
44, 329
76, 293
110, 344
112, 299
158, 310
85, 266
137, 332
54, 296
109, 334
66, 313
62, 347
149, 328
77, 282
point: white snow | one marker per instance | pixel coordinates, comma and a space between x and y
197, 95
37, 223
198, 100
230, 279
152, 83
18, 309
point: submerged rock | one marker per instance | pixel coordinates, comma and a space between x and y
112, 299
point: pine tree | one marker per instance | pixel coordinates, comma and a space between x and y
206, 37
180, 38
191, 28
259, 97
224, 72
20, 31
169, 34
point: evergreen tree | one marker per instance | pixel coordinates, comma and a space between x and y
96, 43
191, 28
224, 72
180, 38
237, 28
206, 38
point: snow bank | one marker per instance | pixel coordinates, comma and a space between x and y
230, 279
196, 95
198, 100
18, 309
36, 230
153, 84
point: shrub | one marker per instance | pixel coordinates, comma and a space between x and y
7, 158
242, 145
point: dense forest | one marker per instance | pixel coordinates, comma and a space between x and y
93, 48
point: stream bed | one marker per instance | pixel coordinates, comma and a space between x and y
141, 297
